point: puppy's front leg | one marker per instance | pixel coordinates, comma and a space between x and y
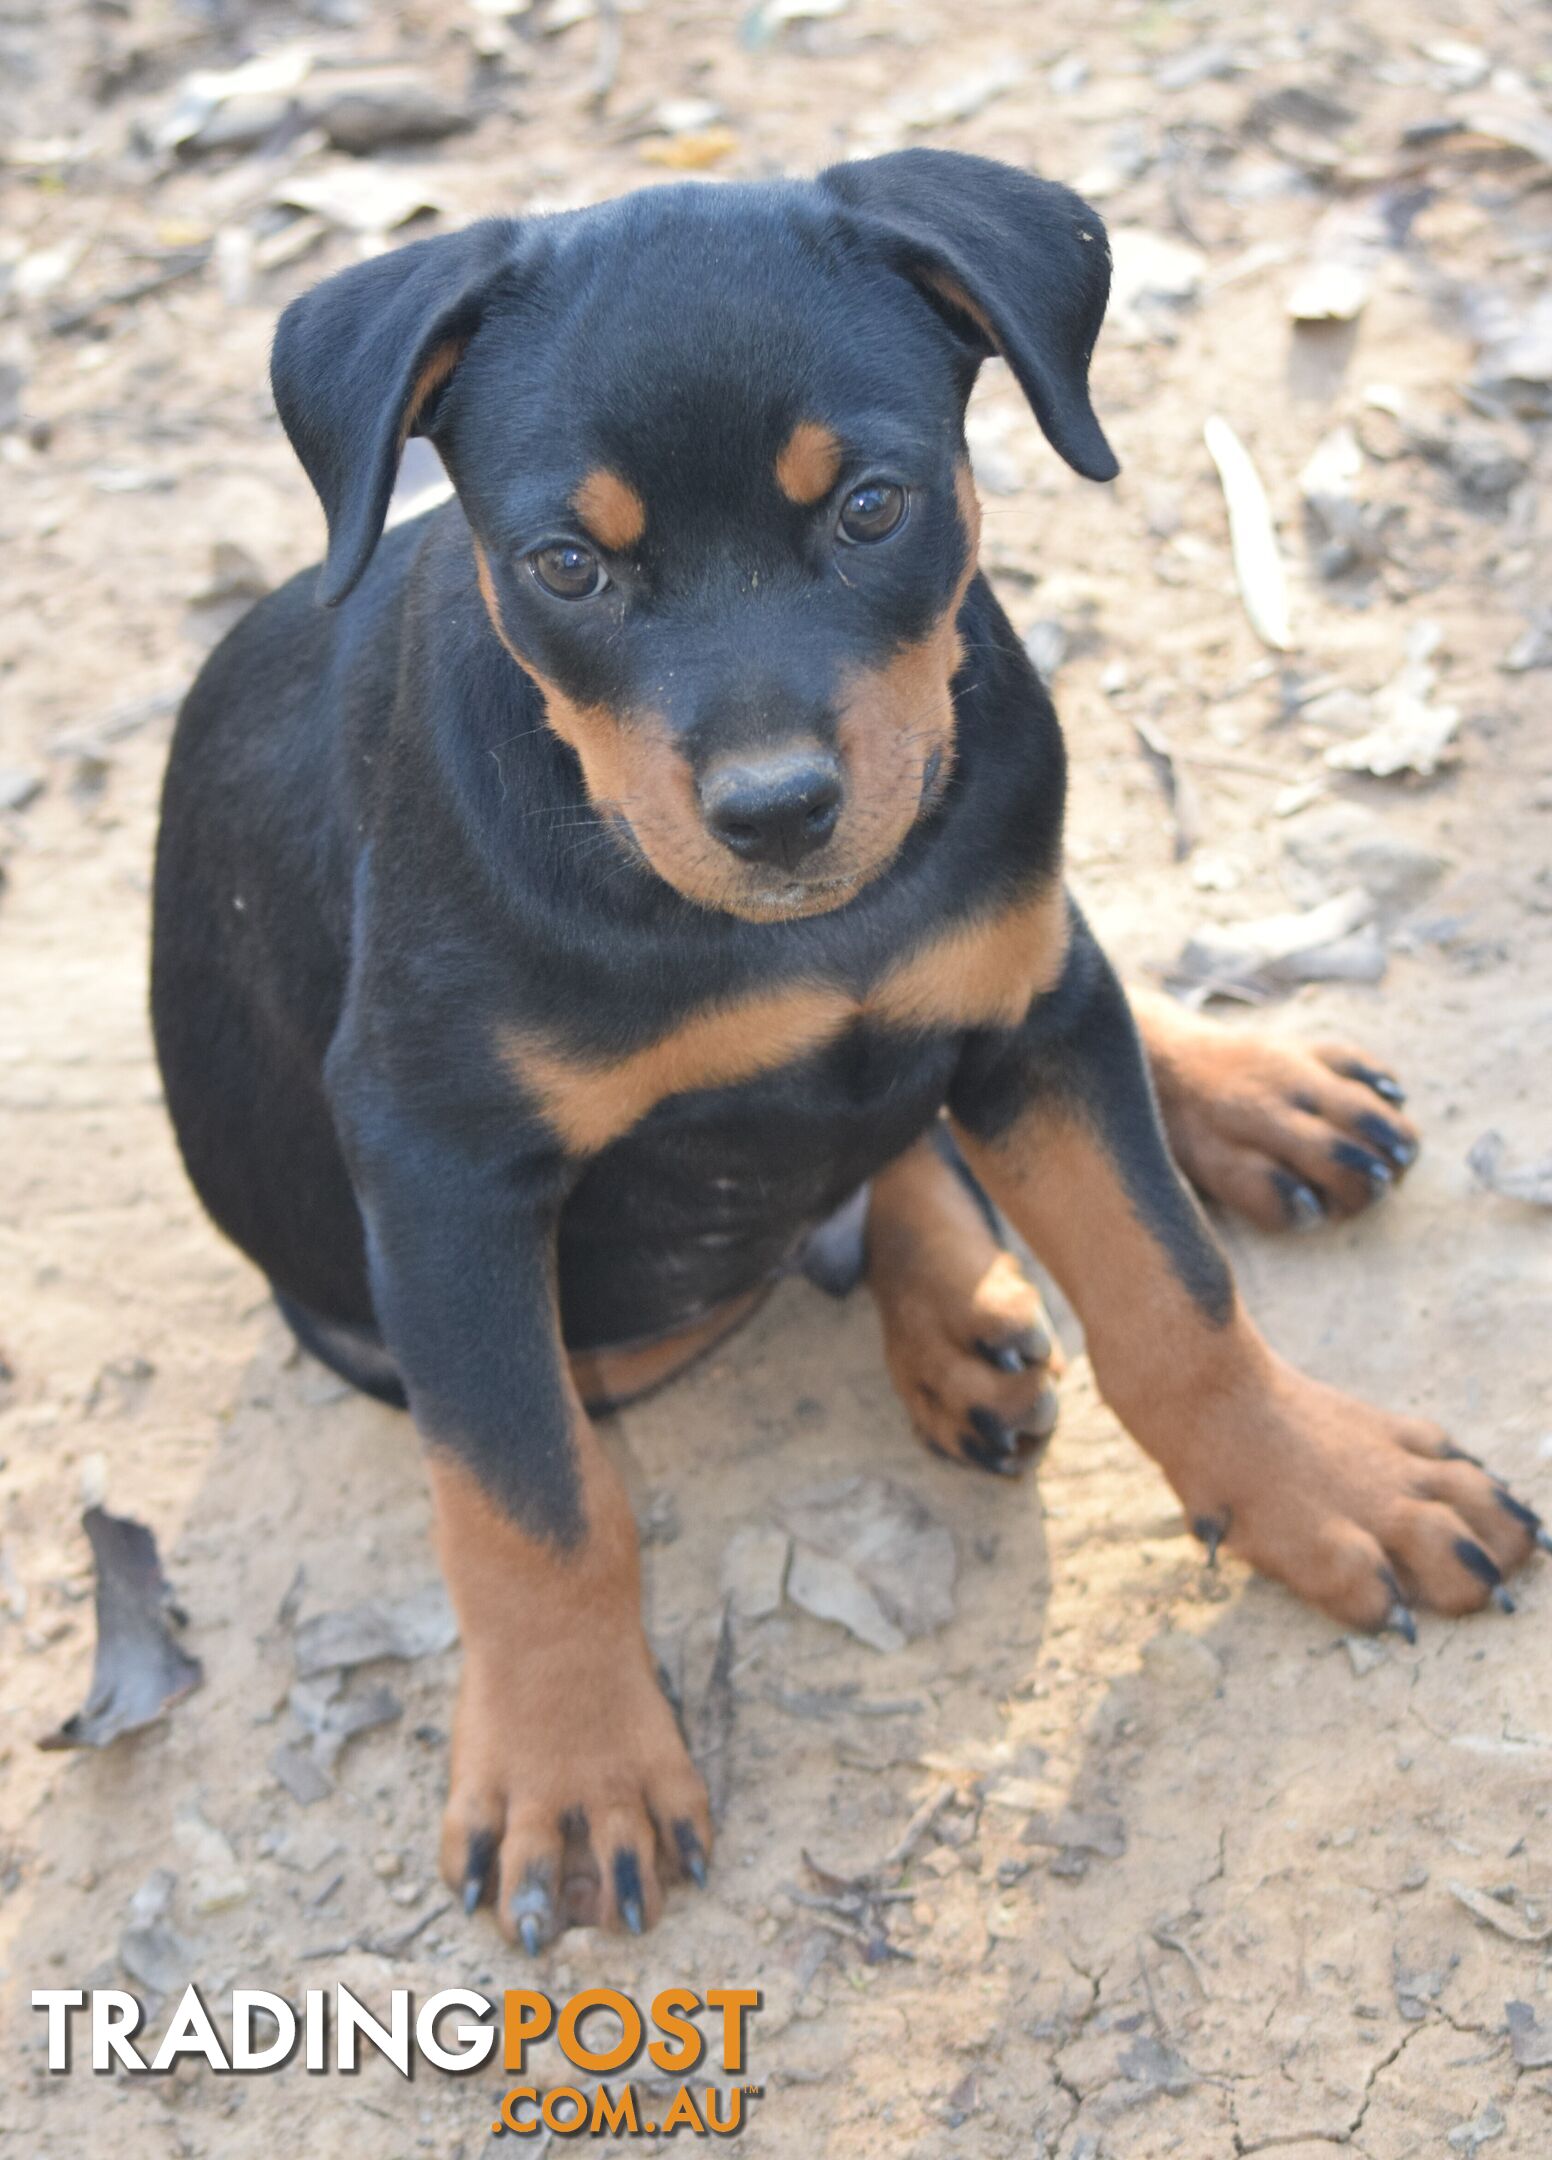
572, 1792
1361, 1512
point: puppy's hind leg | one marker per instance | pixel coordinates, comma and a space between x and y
357, 1354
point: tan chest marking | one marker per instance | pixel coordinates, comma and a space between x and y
982, 973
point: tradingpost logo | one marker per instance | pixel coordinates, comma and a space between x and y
455, 2031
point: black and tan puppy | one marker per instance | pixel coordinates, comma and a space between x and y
663, 843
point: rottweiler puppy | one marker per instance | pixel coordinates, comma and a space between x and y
657, 850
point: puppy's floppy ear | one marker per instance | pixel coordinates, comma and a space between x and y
1023, 265
357, 366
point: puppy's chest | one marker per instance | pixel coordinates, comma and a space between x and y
714, 1189
832, 1037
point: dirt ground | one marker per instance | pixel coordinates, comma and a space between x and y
1242, 1933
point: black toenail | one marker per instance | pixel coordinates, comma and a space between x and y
1353, 1157
1212, 1530
692, 1853
1302, 1205
1388, 1089
1525, 1516
627, 1891
1040, 1423
1399, 1621
1482, 1564
533, 1911
476, 1867
1380, 1133
989, 1427
1002, 1355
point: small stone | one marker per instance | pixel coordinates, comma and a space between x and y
659, 1523
1067, 75
19, 787
368, 112
385, 1865
215, 1881
1363, 1654
1045, 642
1484, 2128
1532, 649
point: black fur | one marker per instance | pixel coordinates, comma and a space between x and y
375, 854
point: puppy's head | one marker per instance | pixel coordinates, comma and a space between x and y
710, 444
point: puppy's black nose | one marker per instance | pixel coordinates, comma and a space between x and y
777, 811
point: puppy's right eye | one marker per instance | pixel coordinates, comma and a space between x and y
568, 572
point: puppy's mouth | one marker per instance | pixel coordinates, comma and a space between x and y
785, 900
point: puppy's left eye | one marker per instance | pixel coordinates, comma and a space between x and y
872, 512
568, 572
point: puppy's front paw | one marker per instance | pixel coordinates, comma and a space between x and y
573, 1801
972, 1358
1363, 1513
1285, 1134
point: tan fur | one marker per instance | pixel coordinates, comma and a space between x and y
560, 1714
976, 974
981, 973
431, 378
809, 462
1329, 1495
1240, 1106
946, 1291
610, 508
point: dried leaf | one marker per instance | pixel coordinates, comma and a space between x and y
1334, 942
415, 1626
717, 1719
1079, 1830
1258, 566
1157, 2068
1532, 648
1518, 124
1530, 2041
754, 1570
365, 198
1503, 1919
868, 1554
1514, 358
1176, 782
139, 1670
1415, 734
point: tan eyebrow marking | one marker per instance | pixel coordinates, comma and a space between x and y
808, 463
610, 508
